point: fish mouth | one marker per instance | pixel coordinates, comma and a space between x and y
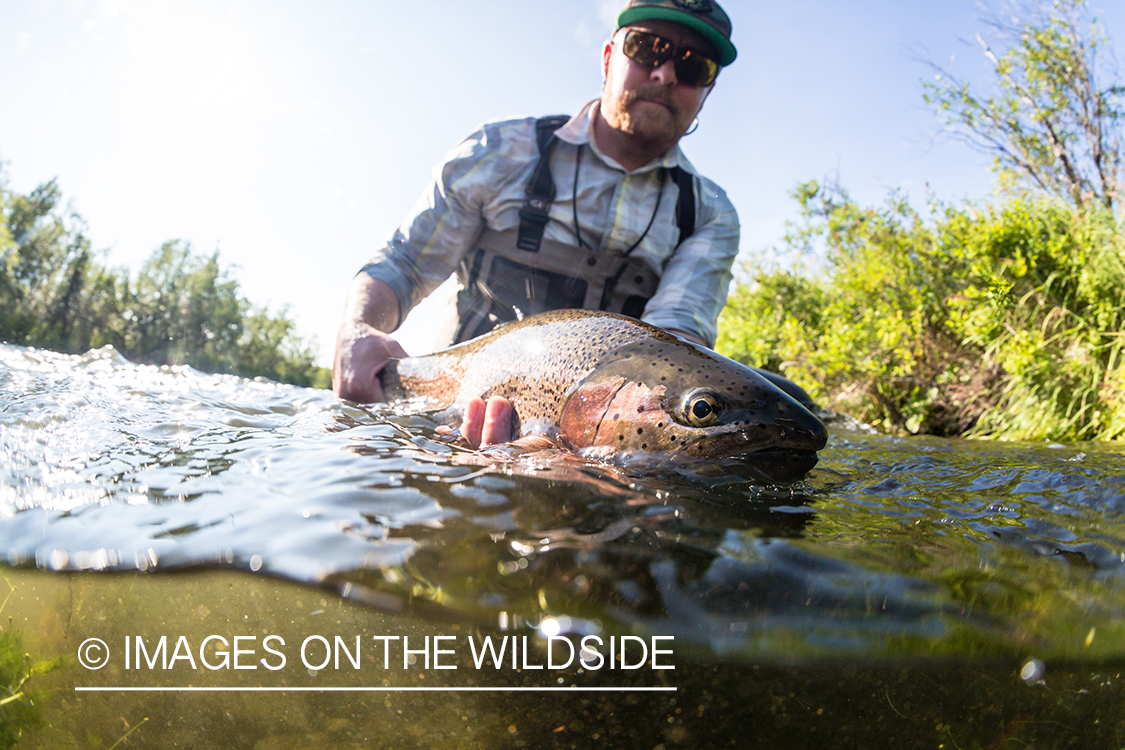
781, 452
769, 463
781, 464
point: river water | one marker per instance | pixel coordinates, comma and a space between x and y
909, 592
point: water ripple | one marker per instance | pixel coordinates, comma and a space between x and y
889, 546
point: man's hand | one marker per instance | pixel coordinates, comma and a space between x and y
488, 424
361, 352
363, 347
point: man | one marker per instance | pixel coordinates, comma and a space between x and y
639, 232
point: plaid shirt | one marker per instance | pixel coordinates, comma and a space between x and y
481, 184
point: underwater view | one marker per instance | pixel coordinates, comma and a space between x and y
266, 566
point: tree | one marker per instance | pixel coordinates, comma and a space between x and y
1055, 121
182, 308
43, 260
271, 347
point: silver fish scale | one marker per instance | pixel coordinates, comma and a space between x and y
533, 362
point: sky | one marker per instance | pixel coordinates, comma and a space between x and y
294, 137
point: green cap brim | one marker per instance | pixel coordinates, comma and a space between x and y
724, 48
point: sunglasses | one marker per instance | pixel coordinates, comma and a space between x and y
652, 51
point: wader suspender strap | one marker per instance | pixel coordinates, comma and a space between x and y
541, 190
685, 204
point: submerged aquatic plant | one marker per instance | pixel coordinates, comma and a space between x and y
19, 701
1001, 321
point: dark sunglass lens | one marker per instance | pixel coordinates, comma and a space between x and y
652, 51
696, 70
646, 49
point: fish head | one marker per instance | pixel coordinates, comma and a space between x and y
678, 400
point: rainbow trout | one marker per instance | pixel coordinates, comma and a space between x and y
608, 386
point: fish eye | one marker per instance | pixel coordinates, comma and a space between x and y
700, 408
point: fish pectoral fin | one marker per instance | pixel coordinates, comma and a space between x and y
521, 447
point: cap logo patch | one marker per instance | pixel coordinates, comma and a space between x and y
695, 6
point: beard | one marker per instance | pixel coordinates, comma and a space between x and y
646, 113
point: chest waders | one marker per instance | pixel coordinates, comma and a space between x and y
518, 272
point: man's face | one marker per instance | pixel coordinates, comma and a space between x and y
651, 104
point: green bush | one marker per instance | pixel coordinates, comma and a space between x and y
999, 321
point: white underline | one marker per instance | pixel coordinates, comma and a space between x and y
178, 689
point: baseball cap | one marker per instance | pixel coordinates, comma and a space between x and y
704, 16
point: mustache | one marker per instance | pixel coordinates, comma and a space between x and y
657, 94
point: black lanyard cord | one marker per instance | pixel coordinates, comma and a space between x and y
574, 206
574, 201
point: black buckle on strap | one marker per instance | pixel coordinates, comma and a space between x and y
541, 187
533, 220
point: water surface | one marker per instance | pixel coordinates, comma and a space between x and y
957, 553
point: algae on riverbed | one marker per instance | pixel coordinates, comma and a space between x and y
960, 702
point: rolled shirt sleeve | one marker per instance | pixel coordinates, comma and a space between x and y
447, 219
696, 280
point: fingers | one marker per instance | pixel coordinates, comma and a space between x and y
394, 349
359, 383
497, 426
361, 352
375, 388
488, 424
472, 422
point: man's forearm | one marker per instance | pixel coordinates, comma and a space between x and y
364, 345
372, 302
